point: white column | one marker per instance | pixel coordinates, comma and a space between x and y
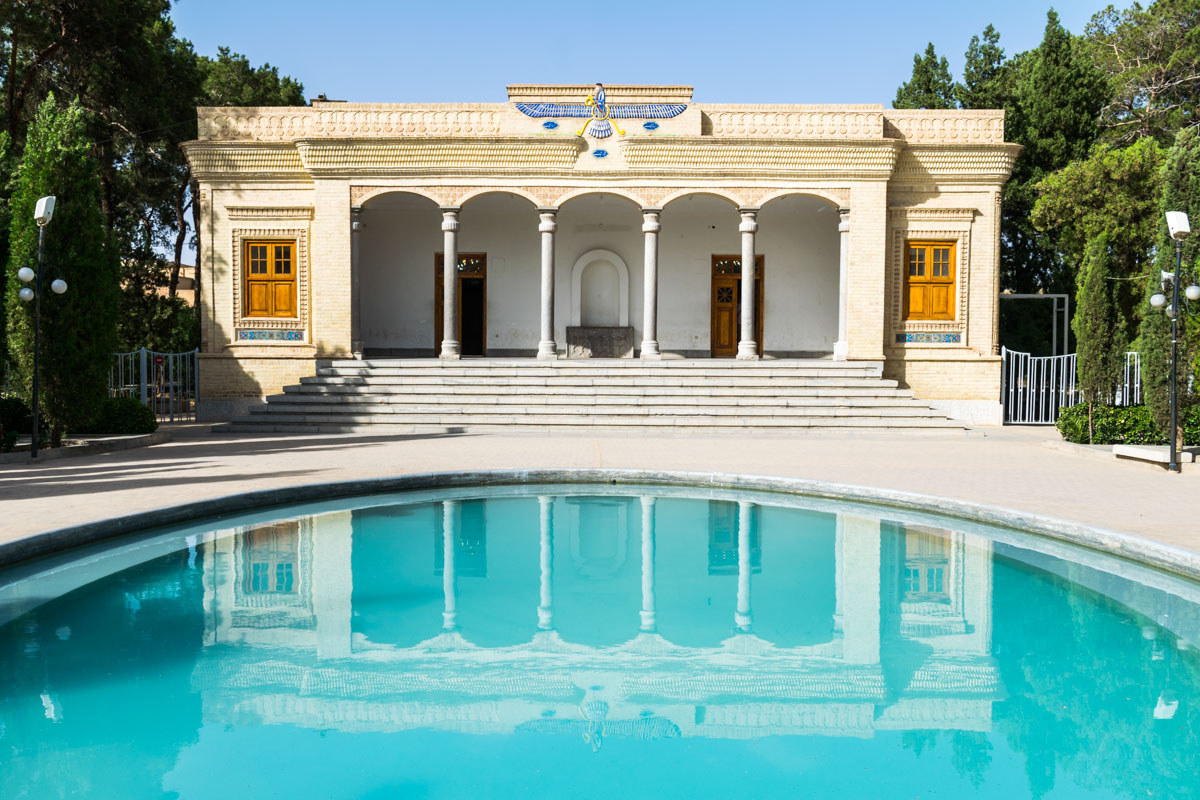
649, 616
840, 347
741, 618
547, 349
747, 346
449, 585
450, 345
545, 610
650, 227
356, 338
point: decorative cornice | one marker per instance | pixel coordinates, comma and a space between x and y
961, 163
945, 126
818, 123
902, 215
615, 93
211, 161
285, 124
269, 212
846, 159
496, 155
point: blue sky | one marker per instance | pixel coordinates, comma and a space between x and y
467, 51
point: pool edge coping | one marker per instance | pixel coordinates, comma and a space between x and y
1168, 558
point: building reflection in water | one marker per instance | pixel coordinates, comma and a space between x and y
573, 615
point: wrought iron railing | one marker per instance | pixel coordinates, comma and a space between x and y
165, 382
1034, 388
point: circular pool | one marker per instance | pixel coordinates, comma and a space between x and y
596, 640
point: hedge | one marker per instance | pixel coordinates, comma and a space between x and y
123, 415
1129, 425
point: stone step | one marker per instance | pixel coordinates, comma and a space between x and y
420, 390
600, 363
259, 428
371, 422
581, 400
411, 380
608, 372
509, 413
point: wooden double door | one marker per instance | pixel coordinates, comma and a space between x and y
726, 305
472, 303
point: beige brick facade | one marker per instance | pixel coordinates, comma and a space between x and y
300, 173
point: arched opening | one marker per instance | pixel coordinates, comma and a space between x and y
598, 254
798, 238
697, 307
400, 233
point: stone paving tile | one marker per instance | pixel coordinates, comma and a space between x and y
1011, 467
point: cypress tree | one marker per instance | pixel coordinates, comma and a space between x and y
1181, 192
1056, 102
78, 329
983, 84
930, 85
1100, 346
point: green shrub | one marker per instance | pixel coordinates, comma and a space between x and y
15, 414
123, 415
1131, 425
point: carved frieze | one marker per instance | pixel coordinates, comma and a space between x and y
816, 123
945, 126
858, 159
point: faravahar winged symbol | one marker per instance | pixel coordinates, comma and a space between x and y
602, 115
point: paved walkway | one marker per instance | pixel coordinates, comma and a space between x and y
1013, 467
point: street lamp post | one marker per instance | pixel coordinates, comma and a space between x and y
42, 215
1177, 224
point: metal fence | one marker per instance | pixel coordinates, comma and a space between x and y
1034, 388
165, 382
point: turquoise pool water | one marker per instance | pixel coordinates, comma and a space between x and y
596, 642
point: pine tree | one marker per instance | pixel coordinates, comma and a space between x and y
983, 73
930, 85
1181, 192
1100, 345
78, 329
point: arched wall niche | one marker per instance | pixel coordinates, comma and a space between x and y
587, 308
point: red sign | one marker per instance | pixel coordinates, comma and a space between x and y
158, 360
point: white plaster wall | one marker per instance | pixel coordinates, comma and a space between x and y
798, 237
506, 228
597, 222
600, 293
797, 234
396, 258
401, 233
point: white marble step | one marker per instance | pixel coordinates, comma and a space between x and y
910, 428
535, 421
581, 400
603, 363
401, 390
535, 412
633, 372
562, 380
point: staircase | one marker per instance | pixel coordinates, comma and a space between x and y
678, 395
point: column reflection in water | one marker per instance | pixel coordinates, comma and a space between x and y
905, 647
545, 610
449, 584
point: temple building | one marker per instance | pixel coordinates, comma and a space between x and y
620, 222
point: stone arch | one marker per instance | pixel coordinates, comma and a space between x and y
581, 264
719, 193
473, 194
583, 192
820, 194
361, 195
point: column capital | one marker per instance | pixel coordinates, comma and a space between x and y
450, 217
749, 219
549, 220
356, 223
650, 220
843, 219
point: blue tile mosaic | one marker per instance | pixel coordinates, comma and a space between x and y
270, 336
624, 111
928, 338
549, 124
600, 153
651, 126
